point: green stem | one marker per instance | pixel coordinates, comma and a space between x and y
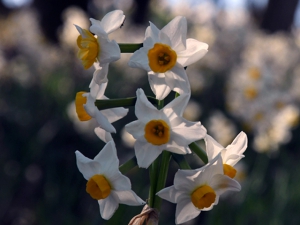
161, 182
120, 102
153, 181
181, 161
199, 152
129, 48
130, 164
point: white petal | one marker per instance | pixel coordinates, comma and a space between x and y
86, 166
185, 211
239, 144
109, 51
181, 82
176, 107
151, 36
80, 30
222, 183
194, 51
100, 74
120, 182
90, 107
129, 198
97, 90
108, 206
170, 194
104, 123
158, 85
213, 148
97, 29
187, 132
112, 21
146, 153
103, 135
144, 110
139, 59
176, 30
114, 114
108, 160
136, 129
184, 180
172, 146
211, 169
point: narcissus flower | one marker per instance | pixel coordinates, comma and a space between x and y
230, 155
165, 129
105, 182
164, 55
86, 110
100, 49
198, 190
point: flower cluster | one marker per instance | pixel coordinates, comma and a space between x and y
158, 130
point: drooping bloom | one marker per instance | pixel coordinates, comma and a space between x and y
165, 129
86, 110
105, 182
230, 155
198, 190
164, 55
100, 49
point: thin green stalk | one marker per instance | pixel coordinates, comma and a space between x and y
181, 161
153, 171
120, 102
130, 164
199, 152
129, 48
162, 177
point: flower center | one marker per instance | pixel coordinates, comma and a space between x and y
161, 58
203, 197
80, 100
88, 48
229, 170
98, 187
157, 132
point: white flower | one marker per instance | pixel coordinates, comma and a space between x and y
100, 49
86, 110
165, 129
230, 155
198, 190
164, 55
105, 181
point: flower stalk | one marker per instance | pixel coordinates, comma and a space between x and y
121, 102
129, 48
199, 152
130, 164
181, 161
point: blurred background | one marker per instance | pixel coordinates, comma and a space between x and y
248, 81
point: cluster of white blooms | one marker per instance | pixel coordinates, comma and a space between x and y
164, 55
